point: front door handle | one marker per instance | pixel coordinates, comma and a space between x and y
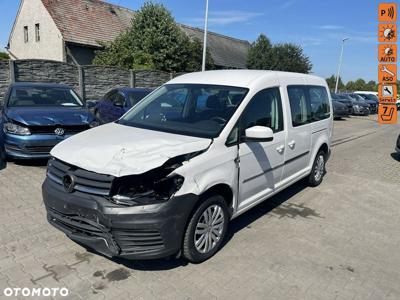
292, 144
280, 149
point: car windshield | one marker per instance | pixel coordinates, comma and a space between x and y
188, 109
371, 97
135, 97
43, 96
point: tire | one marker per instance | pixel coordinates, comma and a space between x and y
318, 169
203, 252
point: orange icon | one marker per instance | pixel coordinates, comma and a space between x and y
387, 73
387, 92
387, 33
387, 114
387, 53
387, 12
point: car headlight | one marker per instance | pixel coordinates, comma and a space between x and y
94, 124
15, 129
356, 106
142, 190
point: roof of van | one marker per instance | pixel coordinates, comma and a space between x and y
240, 78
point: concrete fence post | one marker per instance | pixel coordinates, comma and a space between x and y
81, 82
171, 75
132, 79
12, 70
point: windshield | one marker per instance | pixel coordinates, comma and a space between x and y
135, 97
189, 109
43, 96
371, 97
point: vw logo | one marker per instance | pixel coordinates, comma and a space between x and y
68, 183
59, 131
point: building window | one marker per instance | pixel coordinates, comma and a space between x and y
26, 35
37, 32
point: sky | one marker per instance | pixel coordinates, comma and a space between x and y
317, 25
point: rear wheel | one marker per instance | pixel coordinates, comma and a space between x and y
206, 230
318, 169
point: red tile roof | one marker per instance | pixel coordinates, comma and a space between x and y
88, 21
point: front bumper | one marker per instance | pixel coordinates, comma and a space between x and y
140, 232
361, 110
31, 146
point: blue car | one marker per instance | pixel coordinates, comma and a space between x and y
35, 117
117, 102
3, 162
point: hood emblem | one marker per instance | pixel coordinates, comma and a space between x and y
69, 183
59, 131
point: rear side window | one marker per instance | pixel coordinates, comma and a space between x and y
320, 108
265, 109
299, 105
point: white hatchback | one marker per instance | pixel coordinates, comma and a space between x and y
167, 177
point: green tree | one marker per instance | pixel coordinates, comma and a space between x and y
372, 86
259, 56
331, 81
153, 41
360, 85
283, 57
4, 56
350, 86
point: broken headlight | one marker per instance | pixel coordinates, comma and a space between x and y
141, 190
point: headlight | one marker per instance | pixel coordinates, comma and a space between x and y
15, 129
143, 190
94, 124
356, 106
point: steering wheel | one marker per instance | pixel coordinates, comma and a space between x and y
219, 120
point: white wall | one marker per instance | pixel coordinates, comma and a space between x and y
51, 45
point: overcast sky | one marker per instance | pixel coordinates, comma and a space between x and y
318, 26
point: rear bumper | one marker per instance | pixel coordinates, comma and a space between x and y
140, 232
31, 146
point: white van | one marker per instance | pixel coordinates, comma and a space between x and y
167, 177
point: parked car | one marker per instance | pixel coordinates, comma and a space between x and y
37, 116
340, 110
369, 99
345, 101
3, 162
359, 107
117, 102
204, 148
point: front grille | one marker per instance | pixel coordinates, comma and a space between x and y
39, 149
128, 241
69, 129
76, 224
85, 181
134, 241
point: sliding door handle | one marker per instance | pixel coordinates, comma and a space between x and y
280, 149
292, 144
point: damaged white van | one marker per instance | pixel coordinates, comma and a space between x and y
167, 177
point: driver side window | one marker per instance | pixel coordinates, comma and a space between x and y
264, 109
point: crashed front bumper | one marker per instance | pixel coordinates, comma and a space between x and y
140, 232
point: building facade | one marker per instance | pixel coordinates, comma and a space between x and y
70, 31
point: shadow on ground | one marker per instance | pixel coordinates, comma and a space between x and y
245, 220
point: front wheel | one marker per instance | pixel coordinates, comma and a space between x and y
206, 230
318, 169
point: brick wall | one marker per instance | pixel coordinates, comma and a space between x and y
91, 81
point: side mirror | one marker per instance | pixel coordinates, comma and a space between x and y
91, 103
259, 134
119, 104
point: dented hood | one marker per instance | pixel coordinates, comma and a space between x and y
120, 150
